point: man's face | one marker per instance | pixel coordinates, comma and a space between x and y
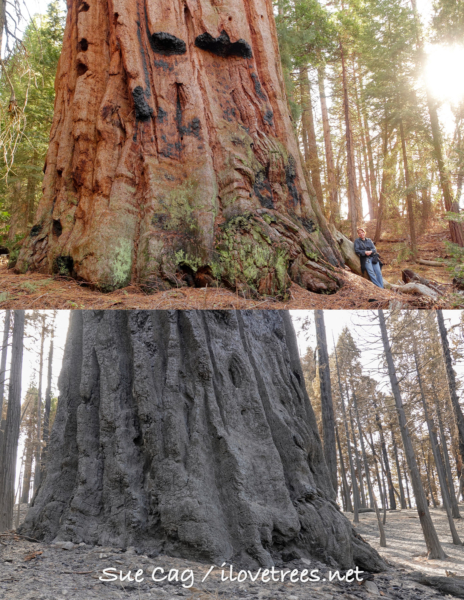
362, 234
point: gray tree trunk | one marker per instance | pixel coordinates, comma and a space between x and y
6, 331
13, 417
457, 411
398, 470
434, 548
328, 418
436, 455
190, 433
48, 400
449, 475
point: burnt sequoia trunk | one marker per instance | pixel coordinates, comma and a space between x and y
172, 157
191, 434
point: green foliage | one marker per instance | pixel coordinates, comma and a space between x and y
448, 21
32, 69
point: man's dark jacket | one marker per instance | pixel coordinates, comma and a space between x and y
360, 248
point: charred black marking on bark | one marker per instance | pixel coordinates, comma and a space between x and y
222, 46
143, 111
258, 87
268, 117
162, 64
162, 114
57, 228
263, 190
83, 6
36, 230
63, 265
290, 174
81, 69
83, 45
308, 224
167, 44
236, 372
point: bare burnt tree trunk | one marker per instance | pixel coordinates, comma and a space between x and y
398, 470
457, 411
449, 475
436, 454
48, 400
38, 447
163, 415
354, 486
363, 452
383, 445
430, 535
358, 462
6, 332
347, 507
10, 438
328, 418
172, 157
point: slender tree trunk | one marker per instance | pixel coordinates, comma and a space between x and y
29, 443
430, 535
348, 447
363, 452
409, 194
6, 332
11, 437
307, 118
358, 461
429, 482
331, 172
48, 399
363, 148
386, 177
373, 179
346, 490
385, 458
38, 449
351, 167
173, 158
398, 470
457, 411
328, 418
436, 454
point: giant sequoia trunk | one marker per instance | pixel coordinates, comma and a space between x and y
190, 433
172, 156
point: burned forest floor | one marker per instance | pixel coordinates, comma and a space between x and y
38, 571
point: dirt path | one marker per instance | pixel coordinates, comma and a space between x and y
405, 542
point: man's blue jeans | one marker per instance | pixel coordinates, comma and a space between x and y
375, 272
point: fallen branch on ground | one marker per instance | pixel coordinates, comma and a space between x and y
430, 263
446, 585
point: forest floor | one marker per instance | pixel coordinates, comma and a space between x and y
37, 571
35, 291
405, 542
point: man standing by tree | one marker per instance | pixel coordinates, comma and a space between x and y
370, 260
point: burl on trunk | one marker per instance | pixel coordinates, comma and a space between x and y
172, 156
190, 434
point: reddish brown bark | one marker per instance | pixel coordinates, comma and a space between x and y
172, 157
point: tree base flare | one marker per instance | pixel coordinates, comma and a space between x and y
190, 434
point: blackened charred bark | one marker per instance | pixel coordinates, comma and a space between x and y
9, 450
190, 433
